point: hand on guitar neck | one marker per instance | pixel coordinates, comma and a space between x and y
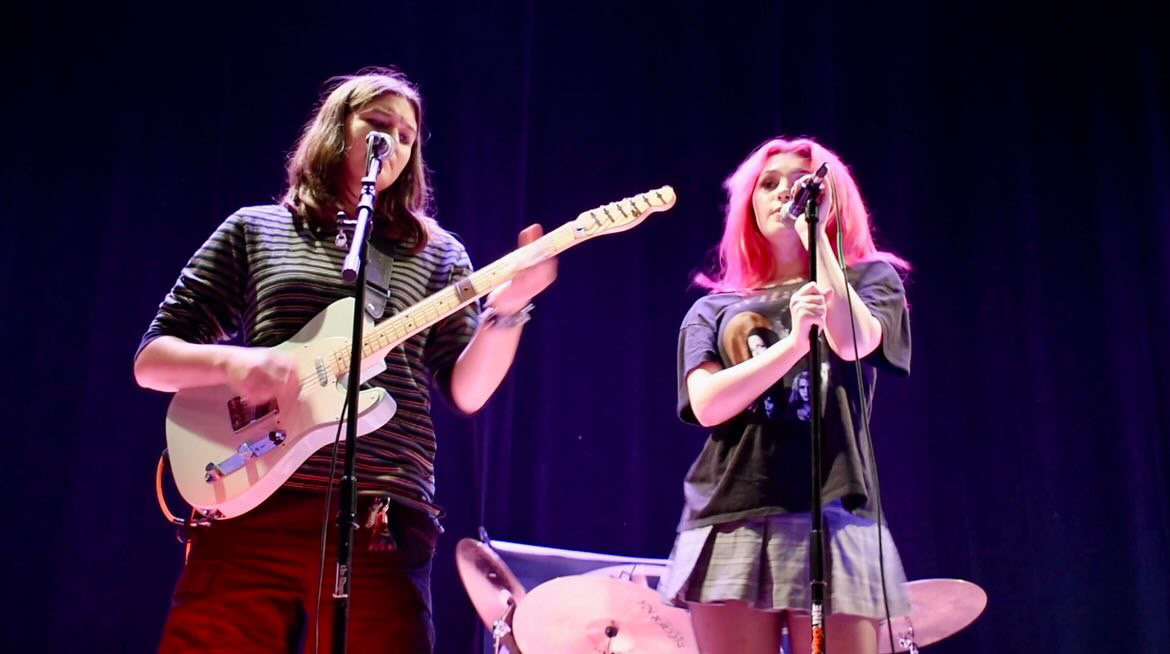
536, 273
484, 363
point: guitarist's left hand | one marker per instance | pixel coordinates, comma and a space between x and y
515, 294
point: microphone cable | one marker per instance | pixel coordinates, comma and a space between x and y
325, 526
864, 402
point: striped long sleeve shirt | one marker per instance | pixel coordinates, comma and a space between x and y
264, 274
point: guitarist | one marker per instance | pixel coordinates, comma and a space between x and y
251, 583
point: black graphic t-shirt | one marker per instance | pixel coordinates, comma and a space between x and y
757, 463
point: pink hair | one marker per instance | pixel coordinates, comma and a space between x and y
746, 260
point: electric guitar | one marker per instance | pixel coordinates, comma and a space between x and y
227, 455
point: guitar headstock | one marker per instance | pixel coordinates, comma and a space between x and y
623, 214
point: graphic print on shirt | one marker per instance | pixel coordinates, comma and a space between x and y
799, 398
746, 330
748, 334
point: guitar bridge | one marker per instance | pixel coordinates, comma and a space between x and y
259, 447
244, 415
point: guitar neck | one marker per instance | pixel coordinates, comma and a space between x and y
437, 306
613, 217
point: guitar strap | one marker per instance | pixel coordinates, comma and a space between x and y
378, 271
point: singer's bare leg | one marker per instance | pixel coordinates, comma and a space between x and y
734, 628
848, 634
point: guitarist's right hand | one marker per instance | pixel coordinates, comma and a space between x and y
259, 374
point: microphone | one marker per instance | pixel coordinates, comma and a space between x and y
380, 145
802, 194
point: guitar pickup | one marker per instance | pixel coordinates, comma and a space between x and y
259, 447
244, 415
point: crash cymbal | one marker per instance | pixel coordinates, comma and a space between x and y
938, 608
588, 614
489, 582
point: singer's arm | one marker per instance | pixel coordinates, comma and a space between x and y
719, 394
837, 328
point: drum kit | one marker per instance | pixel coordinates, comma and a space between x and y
614, 610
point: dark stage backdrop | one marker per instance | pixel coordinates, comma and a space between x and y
1016, 154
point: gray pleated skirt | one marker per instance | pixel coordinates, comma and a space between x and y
764, 562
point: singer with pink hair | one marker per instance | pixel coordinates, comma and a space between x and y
740, 561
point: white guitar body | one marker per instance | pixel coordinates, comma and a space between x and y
200, 428
227, 456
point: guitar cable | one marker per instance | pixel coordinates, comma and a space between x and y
182, 526
164, 460
180, 523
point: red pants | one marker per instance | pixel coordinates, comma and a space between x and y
250, 583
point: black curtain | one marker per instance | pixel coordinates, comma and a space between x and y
1015, 153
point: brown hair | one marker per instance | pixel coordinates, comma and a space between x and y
317, 164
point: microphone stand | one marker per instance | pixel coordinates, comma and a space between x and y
817, 581
353, 270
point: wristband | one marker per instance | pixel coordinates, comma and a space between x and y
491, 318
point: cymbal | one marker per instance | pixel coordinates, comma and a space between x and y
939, 608
489, 582
588, 614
